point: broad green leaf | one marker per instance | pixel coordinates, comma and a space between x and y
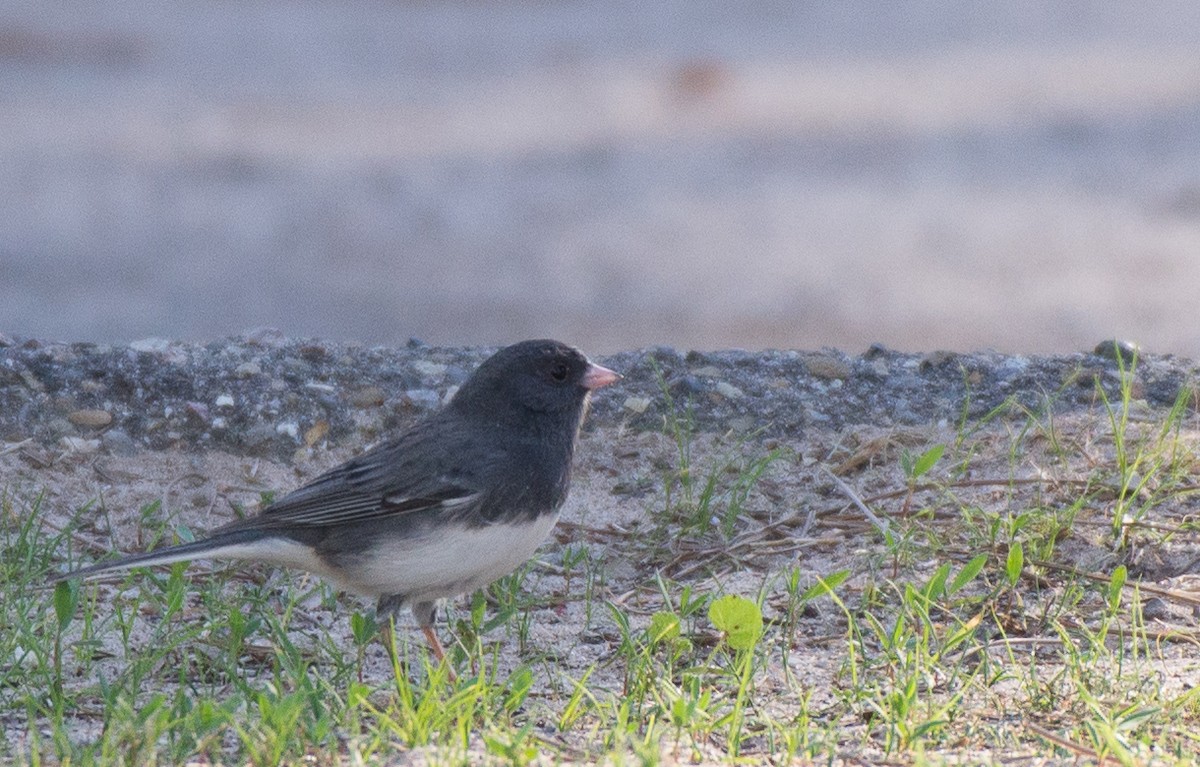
66, 599
1115, 584
937, 582
739, 619
664, 626
1015, 563
927, 460
968, 573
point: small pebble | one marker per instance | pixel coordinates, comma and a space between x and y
937, 359
150, 345
31, 381
370, 396
224, 400
94, 419
290, 428
637, 404
258, 435
728, 390
316, 432
685, 385
429, 369
425, 399
827, 367
1156, 608
117, 442
266, 337
247, 370
1110, 349
314, 352
79, 445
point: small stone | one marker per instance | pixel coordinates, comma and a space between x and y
1085, 377
1013, 366
708, 371
196, 411
827, 367
729, 391
429, 369
369, 396
316, 432
265, 337
6, 341
31, 381
79, 445
117, 442
150, 345
290, 428
258, 435
224, 400
936, 359
637, 404
314, 352
1156, 608
247, 369
423, 399
93, 419
685, 385
1115, 350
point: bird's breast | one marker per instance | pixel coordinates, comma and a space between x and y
444, 561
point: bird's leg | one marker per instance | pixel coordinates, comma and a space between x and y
434, 643
385, 614
426, 613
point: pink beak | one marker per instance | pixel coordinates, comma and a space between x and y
596, 376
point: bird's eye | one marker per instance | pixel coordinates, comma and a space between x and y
559, 372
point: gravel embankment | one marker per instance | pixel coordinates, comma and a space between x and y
265, 394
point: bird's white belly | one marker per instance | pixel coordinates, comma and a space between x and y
447, 562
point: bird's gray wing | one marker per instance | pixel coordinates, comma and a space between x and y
429, 468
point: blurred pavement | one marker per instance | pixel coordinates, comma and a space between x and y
1019, 175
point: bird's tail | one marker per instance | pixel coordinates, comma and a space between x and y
234, 544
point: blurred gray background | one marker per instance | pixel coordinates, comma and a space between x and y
1023, 176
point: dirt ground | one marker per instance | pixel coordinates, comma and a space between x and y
795, 518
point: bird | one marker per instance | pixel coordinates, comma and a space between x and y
460, 499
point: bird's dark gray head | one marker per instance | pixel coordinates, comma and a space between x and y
540, 376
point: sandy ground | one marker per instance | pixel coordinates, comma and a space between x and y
1018, 175
819, 534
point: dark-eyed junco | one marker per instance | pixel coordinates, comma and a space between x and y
452, 504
